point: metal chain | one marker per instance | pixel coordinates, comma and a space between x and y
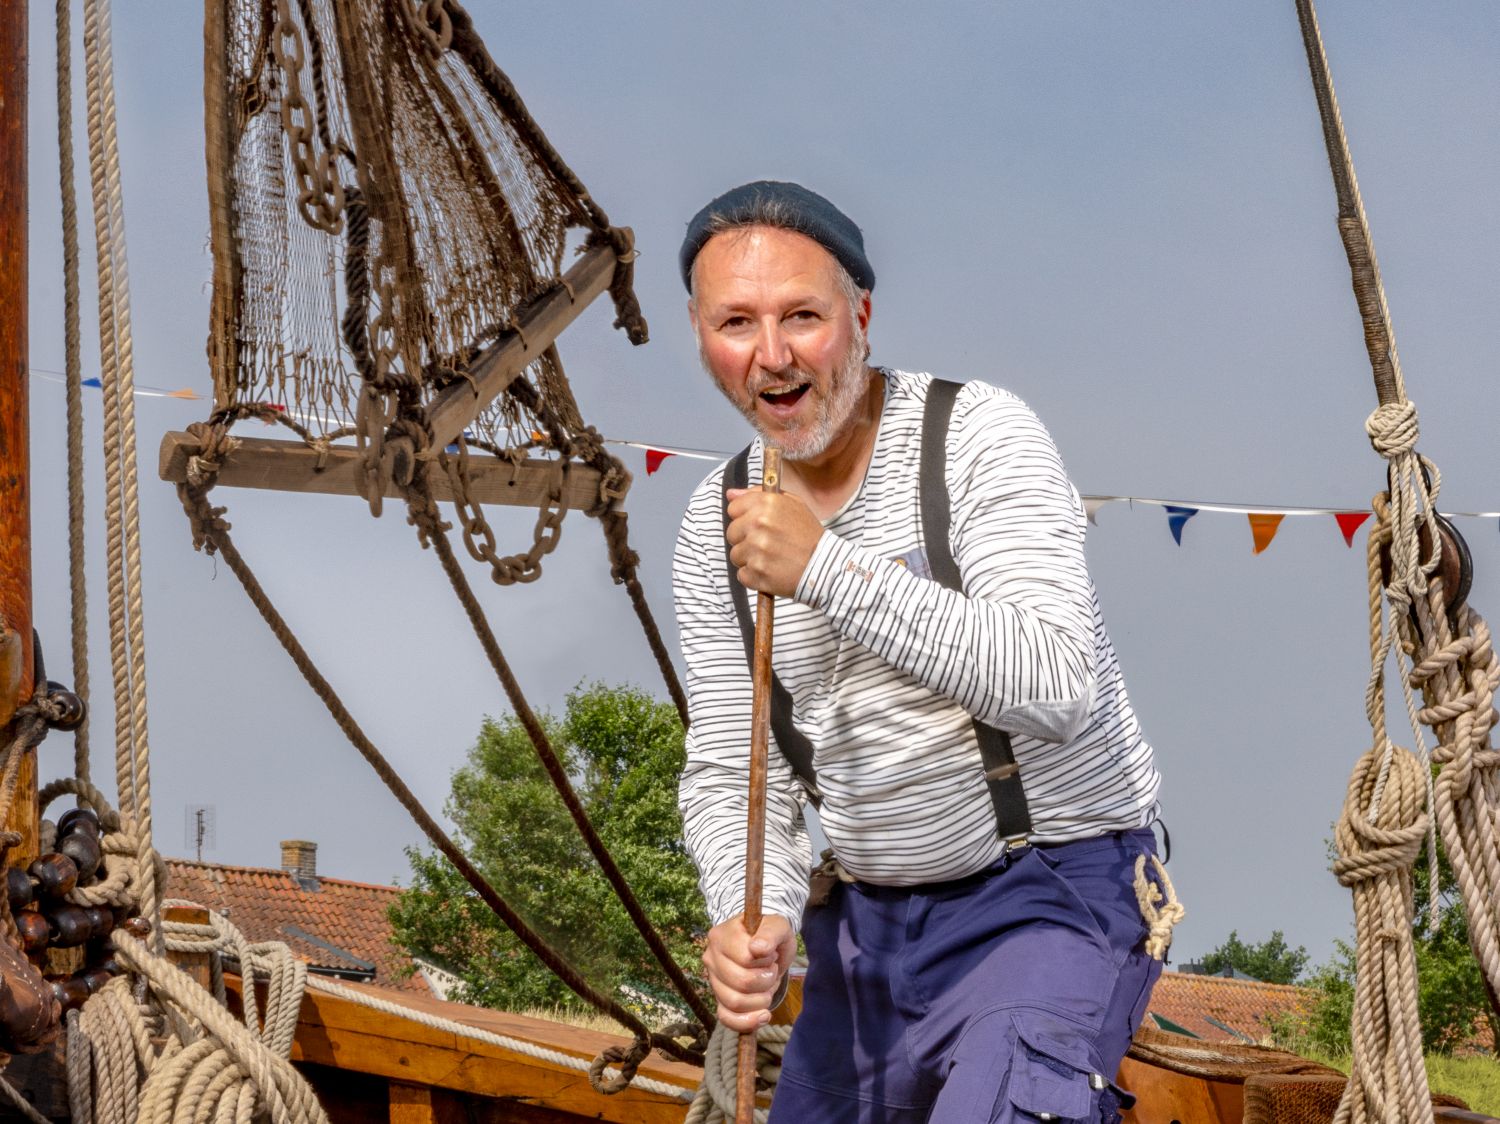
320, 195
479, 537
432, 23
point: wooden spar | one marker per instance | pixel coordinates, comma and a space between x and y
291, 466
15, 500
451, 411
755, 830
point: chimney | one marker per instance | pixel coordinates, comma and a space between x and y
299, 858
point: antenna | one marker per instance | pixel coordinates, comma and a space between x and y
200, 828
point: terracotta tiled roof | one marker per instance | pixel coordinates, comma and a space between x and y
340, 925
1192, 1001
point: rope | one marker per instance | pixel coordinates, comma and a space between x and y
467, 44
211, 532
423, 514
1394, 799
127, 629
623, 562
714, 1102
1159, 906
1387, 1079
188, 1084
21, 1104
122, 1070
504, 1042
74, 367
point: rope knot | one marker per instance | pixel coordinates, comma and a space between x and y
628, 1058
1159, 906
1393, 428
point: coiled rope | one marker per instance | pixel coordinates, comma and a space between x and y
714, 1103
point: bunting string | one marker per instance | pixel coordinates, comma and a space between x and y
1264, 519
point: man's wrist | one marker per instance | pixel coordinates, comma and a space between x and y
818, 576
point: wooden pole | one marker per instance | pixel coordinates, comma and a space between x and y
755, 833
15, 451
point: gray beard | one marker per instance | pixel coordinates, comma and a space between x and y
847, 389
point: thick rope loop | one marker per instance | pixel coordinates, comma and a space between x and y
627, 1058
1393, 428
714, 1103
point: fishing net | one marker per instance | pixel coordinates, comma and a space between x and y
383, 207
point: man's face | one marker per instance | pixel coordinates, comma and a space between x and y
776, 332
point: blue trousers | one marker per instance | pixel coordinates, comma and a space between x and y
1008, 996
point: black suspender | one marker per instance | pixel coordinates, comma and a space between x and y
1002, 774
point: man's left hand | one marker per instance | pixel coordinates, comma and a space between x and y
772, 537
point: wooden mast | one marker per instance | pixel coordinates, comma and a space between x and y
15, 494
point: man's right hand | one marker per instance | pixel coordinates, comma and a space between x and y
745, 970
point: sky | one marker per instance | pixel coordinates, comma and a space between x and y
1120, 211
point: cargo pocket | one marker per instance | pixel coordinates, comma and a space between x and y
1052, 1075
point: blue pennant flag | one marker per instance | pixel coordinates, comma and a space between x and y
1176, 517
95, 383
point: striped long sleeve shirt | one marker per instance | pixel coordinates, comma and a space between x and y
886, 668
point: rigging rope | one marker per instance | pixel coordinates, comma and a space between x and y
127, 628
1394, 799
211, 533
432, 530
73, 365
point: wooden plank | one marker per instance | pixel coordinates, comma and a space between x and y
451, 411
291, 466
349, 1036
1164, 1096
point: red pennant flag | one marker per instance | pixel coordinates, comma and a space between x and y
654, 457
1349, 522
1263, 528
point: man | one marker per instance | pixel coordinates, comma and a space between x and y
981, 777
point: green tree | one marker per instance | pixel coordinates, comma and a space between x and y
1451, 999
623, 751
1271, 961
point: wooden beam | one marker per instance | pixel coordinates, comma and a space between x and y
336, 1032
291, 466
15, 447
195, 964
454, 408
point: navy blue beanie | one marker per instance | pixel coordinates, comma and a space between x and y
809, 212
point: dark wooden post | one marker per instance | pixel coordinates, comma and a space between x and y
15, 493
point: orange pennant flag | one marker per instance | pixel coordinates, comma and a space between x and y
1264, 528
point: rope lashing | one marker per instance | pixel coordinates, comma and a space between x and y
714, 1103
1393, 429
1160, 909
1387, 1080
